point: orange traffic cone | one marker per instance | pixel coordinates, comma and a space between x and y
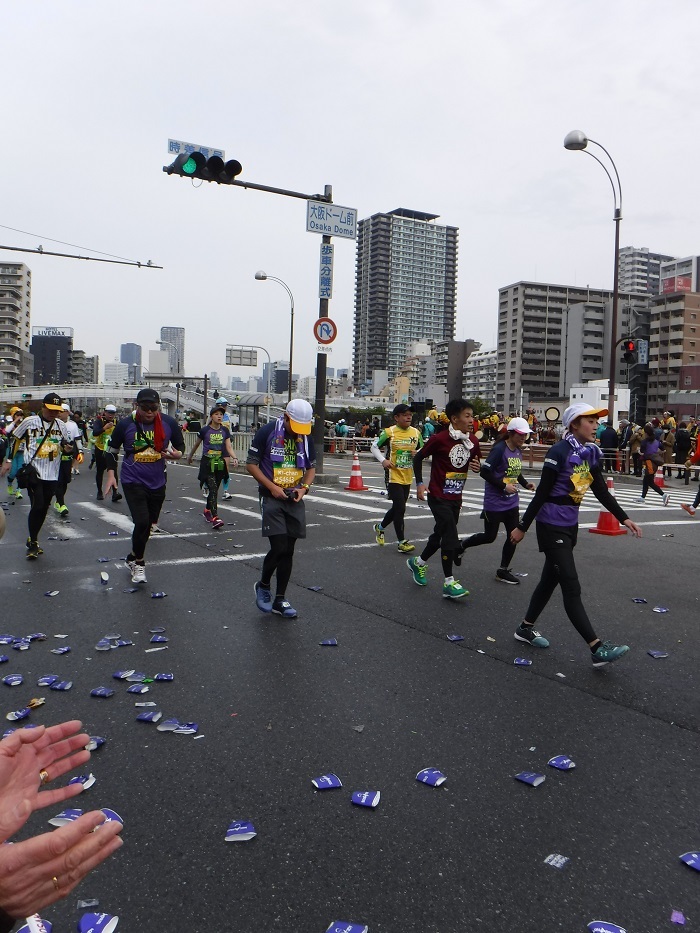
607, 523
356, 483
659, 478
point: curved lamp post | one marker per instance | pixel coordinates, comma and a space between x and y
263, 277
167, 343
577, 141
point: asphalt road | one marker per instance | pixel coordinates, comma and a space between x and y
275, 709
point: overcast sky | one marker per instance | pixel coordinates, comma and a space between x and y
456, 107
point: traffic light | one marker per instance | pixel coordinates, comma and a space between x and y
629, 347
196, 165
26, 395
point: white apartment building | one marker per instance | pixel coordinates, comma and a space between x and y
16, 364
640, 270
116, 373
479, 376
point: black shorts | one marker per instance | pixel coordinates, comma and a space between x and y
283, 517
446, 515
550, 537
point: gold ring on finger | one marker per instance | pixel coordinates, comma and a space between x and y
55, 882
44, 776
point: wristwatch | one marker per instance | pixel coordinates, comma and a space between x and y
304, 486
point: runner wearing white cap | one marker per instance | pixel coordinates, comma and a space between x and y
283, 461
502, 472
570, 467
69, 451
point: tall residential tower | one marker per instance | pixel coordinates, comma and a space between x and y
405, 289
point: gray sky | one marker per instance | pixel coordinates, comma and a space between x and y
456, 107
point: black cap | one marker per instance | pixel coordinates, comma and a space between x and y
148, 395
401, 409
53, 402
217, 408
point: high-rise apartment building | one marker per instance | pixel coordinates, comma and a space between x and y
116, 373
552, 336
640, 270
450, 357
405, 288
674, 346
83, 369
479, 376
131, 354
16, 366
174, 340
680, 275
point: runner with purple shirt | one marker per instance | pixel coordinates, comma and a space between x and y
502, 470
570, 467
149, 439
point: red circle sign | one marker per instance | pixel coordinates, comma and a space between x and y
325, 330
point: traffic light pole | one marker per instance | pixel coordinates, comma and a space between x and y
224, 178
613, 324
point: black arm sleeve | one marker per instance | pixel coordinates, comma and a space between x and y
523, 482
600, 490
98, 427
549, 478
418, 458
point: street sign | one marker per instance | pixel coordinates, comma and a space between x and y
331, 219
325, 330
643, 352
236, 356
178, 147
325, 271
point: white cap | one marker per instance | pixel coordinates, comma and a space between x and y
519, 425
301, 415
65, 407
110, 407
221, 400
578, 409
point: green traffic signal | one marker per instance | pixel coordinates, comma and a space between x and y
196, 165
190, 166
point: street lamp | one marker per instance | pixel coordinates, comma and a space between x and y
262, 277
167, 343
577, 141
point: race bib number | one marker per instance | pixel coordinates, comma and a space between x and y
286, 477
403, 459
48, 450
454, 484
146, 456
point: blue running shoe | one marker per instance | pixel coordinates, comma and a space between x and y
263, 598
281, 607
419, 572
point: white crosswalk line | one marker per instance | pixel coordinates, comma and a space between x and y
225, 507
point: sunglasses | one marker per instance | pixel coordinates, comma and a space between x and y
148, 407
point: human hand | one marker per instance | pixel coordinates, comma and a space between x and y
46, 868
635, 529
299, 493
511, 489
531, 487
23, 756
516, 536
171, 454
386, 464
278, 492
475, 465
5, 468
234, 461
110, 485
420, 491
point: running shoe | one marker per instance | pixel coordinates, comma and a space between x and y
216, 522
531, 636
61, 509
454, 590
419, 571
405, 547
688, 508
18, 494
640, 499
155, 530
227, 495
138, 574
667, 498
281, 607
33, 549
207, 515
606, 653
505, 576
11, 491
263, 597
378, 533
100, 497
116, 496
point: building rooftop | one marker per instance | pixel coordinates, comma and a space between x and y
413, 215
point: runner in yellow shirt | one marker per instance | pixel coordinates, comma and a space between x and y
401, 441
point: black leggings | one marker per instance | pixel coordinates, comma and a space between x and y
398, 493
101, 466
64, 477
491, 522
444, 536
40, 497
558, 543
145, 505
648, 483
211, 480
280, 558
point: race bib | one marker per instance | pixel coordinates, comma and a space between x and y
146, 456
48, 450
454, 484
287, 477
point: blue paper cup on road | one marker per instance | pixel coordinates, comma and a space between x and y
111, 816
366, 798
326, 782
691, 859
102, 692
345, 926
239, 831
604, 926
561, 763
431, 776
13, 680
36, 924
530, 777
65, 816
97, 923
